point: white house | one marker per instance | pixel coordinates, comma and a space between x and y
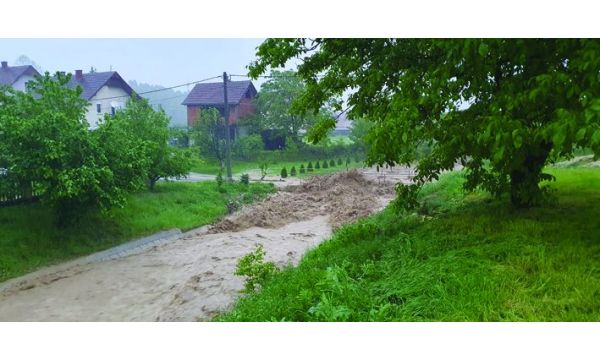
106, 92
16, 76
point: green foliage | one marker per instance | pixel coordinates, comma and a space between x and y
331, 163
139, 121
246, 148
264, 167
325, 164
255, 269
284, 173
317, 165
46, 142
339, 162
358, 133
245, 179
219, 179
309, 168
347, 162
472, 258
208, 134
293, 171
273, 106
503, 108
302, 169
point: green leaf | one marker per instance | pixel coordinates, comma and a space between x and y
580, 134
517, 139
483, 49
404, 137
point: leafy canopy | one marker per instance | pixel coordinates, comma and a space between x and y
502, 108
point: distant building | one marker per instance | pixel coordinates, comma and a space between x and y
240, 95
106, 92
343, 125
16, 76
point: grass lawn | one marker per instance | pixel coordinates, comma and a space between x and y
29, 239
239, 167
461, 258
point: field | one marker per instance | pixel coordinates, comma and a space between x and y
29, 239
461, 257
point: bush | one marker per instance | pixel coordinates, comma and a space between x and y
255, 269
302, 169
317, 165
309, 168
247, 147
245, 179
293, 171
283, 173
325, 164
331, 163
339, 162
263, 170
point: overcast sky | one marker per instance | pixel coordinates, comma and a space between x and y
166, 62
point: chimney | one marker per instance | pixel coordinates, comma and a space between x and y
78, 74
4, 64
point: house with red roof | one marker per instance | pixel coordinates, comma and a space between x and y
240, 96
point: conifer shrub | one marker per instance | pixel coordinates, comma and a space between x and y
293, 171
284, 173
325, 164
309, 168
331, 163
317, 165
339, 162
302, 169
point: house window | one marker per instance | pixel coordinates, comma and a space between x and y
98, 108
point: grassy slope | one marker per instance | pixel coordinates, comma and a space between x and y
474, 259
29, 239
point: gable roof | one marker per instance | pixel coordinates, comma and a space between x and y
91, 83
212, 93
10, 74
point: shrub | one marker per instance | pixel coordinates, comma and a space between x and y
331, 163
325, 164
302, 169
284, 173
247, 147
293, 171
339, 162
263, 170
347, 162
255, 269
317, 165
309, 168
245, 179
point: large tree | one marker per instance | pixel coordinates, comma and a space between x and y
503, 108
274, 105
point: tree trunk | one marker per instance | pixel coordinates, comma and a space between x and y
524, 181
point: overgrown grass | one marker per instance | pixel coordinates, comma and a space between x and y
29, 239
460, 258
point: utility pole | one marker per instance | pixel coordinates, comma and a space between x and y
227, 130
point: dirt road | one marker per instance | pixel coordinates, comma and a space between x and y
191, 278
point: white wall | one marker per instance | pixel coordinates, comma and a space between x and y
21, 81
93, 116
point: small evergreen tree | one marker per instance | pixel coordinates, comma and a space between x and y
339, 162
245, 179
283, 173
309, 168
293, 171
325, 164
302, 169
331, 163
317, 165
347, 162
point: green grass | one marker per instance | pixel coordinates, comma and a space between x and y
29, 239
461, 258
239, 167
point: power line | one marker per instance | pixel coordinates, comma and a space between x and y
163, 89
